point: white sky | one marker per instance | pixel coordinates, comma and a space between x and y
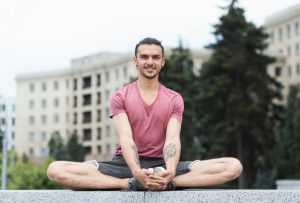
38, 35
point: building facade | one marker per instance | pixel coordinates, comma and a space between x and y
284, 44
8, 121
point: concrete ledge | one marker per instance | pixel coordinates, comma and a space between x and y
190, 196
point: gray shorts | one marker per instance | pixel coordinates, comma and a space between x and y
118, 167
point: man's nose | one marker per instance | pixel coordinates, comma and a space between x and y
150, 61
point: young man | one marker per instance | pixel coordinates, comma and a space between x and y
147, 117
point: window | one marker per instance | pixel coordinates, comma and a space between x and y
107, 95
13, 121
31, 87
44, 103
44, 87
88, 149
98, 115
31, 104
55, 85
56, 118
106, 112
290, 71
117, 74
43, 136
280, 34
75, 118
99, 149
31, 120
75, 102
31, 151
107, 129
3, 121
106, 76
86, 82
44, 119
13, 134
56, 102
298, 68
99, 133
108, 148
67, 118
67, 84
31, 136
277, 71
125, 71
289, 50
67, 101
296, 28
271, 37
98, 97
87, 100
297, 49
3, 107
98, 80
87, 117
43, 152
14, 108
87, 134
75, 84
288, 31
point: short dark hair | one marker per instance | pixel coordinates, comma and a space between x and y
148, 41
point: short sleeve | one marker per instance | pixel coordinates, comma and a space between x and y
178, 108
117, 105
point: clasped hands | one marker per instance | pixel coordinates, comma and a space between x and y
153, 181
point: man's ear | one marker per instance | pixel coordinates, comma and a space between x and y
163, 62
135, 61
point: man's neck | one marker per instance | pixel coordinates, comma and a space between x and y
147, 84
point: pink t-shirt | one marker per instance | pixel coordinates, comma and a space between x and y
148, 123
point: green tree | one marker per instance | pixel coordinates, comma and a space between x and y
75, 150
236, 94
56, 146
30, 176
178, 75
288, 159
1, 140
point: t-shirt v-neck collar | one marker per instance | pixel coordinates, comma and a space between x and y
156, 98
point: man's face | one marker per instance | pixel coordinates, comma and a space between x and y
149, 60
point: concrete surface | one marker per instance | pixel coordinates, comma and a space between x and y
185, 196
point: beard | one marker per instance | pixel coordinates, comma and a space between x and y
144, 72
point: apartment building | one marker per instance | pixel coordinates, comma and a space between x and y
74, 100
284, 43
8, 120
42, 109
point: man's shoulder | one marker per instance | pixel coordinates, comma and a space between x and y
169, 92
123, 91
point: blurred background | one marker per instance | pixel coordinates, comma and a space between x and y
236, 64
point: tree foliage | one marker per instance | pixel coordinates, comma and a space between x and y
236, 94
178, 75
75, 150
72, 151
30, 176
56, 146
288, 150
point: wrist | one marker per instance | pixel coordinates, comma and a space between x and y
136, 172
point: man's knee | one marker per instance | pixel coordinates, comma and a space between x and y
55, 171
234, 168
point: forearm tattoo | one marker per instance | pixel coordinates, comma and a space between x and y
169, 151
136, 154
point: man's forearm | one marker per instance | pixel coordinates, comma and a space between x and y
130, 154
171, 154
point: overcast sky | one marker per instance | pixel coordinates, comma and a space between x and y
38, 35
